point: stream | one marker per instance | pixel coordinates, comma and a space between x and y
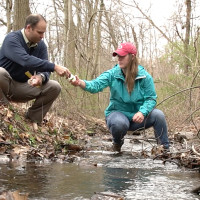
99, 172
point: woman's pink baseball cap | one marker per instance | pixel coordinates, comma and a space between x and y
124, 49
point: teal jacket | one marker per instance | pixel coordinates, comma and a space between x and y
143, 97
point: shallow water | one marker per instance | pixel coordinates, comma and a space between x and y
131, 178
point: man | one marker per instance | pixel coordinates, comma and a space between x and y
23, 57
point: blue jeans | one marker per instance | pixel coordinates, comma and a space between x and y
118, 125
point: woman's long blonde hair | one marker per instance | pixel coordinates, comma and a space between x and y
131, 72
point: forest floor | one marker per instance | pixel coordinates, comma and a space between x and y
61, 139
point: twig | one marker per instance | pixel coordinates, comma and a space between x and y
178, 93
110, 195
171, 161
185, 141
60, 126
194, 150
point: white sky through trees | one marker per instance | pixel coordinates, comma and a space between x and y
159, 11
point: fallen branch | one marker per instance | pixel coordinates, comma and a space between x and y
109, 195
194, 150
171, 161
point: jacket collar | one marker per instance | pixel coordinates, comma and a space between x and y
118, 73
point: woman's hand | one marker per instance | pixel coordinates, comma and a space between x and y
138, 117
78, 82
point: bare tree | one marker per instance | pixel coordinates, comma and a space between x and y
110, 27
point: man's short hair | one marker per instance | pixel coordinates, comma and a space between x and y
33, 20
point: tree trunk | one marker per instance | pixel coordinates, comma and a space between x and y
98, 43
21, 11
66, 26
187, 35
8, 14
70, 38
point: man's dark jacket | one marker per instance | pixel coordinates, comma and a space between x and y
17, 58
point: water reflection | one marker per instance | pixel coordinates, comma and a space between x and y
132, 178
151, 181
31, 178
53, 181
119, 179
70, 181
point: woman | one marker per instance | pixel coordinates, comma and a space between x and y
132, 98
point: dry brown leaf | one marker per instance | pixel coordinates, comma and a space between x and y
1, 133
156, 150
18, 196
13, 196
35, 126
66, 137
9, 113
3, 149
39, 139
18, 149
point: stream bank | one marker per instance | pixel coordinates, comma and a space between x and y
76, 155
100, 174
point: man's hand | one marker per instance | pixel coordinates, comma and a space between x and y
138, 117
35, 80
62, 71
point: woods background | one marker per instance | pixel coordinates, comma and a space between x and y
82, 34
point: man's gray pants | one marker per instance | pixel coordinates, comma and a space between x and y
44, 95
